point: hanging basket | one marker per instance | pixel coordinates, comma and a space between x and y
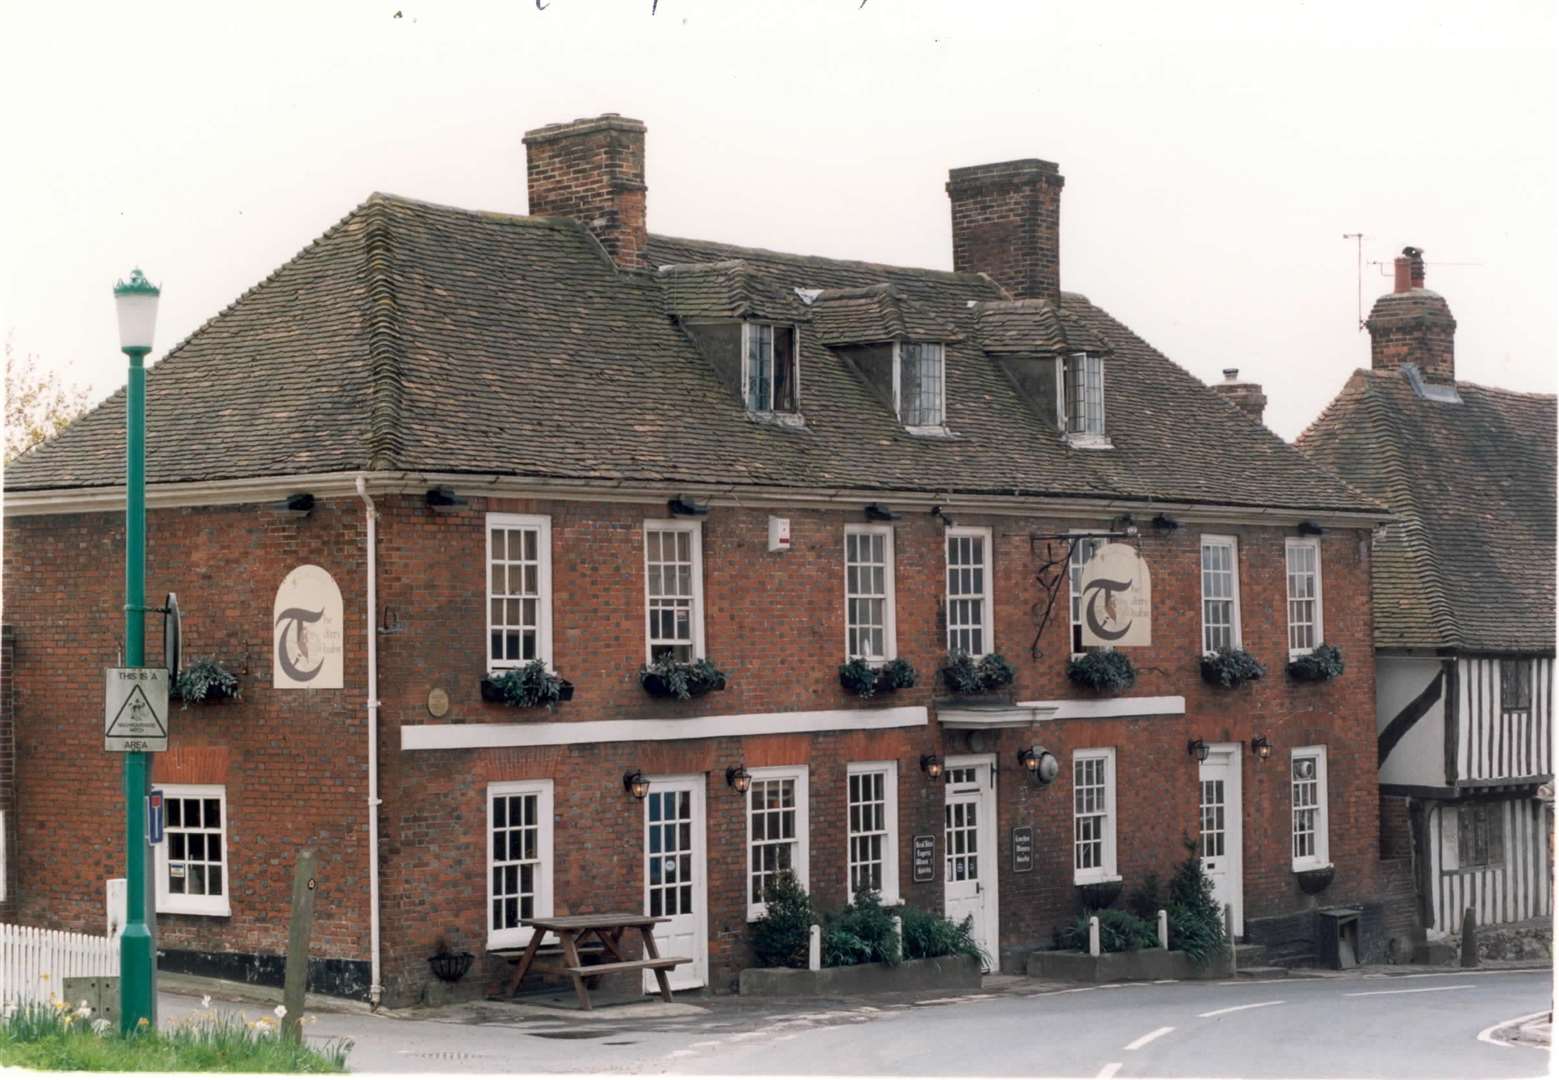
450, 967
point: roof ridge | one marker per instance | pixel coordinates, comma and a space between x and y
386, 440
862, 264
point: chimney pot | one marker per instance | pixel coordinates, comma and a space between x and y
1404, 279
1231, 374
1247, 396
1412, 325
1415, 262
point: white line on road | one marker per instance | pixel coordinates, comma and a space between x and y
1108, 1071
1237, 1008
1418, 990
1139, 1043
1487, 1034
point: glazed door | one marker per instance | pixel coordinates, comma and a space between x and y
969, 851
1221, 846
674, 876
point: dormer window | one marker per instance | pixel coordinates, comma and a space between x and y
1082, 400
769, 368
919, 385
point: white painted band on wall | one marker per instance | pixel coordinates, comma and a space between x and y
1083, 709
478, 736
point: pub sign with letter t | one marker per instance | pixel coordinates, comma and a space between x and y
1117, 598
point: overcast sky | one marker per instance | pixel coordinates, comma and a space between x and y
1215, 154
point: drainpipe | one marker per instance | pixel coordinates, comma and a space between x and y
371, 516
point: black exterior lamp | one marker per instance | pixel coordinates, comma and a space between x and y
1125, 523
938, 512
738, 778
1198, 749
300, 504
1041, 763
880, 512
1261, 746
443, 499
932, 766
636, 783
686, 506
1165, 522
1310, 528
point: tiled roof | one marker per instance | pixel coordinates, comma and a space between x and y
730, 289
1469, 564
421, 337
1029, 326
874, 313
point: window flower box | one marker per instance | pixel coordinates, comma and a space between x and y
528, 687
968, 677
1229, 668
1108, 671
1315, 880
680, 679
1323, 664
205, 680
865, 681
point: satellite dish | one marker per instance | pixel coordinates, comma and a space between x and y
172, 636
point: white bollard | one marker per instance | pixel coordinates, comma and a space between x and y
1093, 935
1163, 929
898, 932
815, 949
116, 905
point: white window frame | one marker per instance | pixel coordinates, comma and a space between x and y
183, 903
1106, 871
795, 359
939, 428
891, 891
1085, 440
696, 555
1074, 595
1210, 540
988, 606
1321, 857
1291, 544
543, 526
515, 936
889, 615
800, 859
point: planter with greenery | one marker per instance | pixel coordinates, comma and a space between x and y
1321, 665
1195, 919
1106, 671
967, 677
1229, 668
205, 680
1119, 931
863, 680
680, 679
528, 687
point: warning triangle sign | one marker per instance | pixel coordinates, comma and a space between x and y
136, 718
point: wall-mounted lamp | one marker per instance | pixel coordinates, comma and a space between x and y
1310, 528
879, 512
443, 499
931, 765
1125, 523
686, 506
1165, 522
739, 778
1261, 746
1041, 763
1198, 749
298, 505
636, 783
936, 512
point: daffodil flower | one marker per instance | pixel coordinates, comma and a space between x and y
205, 1001
280, 1011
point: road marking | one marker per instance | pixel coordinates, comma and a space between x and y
1051, 993
1463, 974
1487, 1034
1419, 990
1139, 1043
1108, 1071
1237, 1008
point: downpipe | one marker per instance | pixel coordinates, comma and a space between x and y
371, 515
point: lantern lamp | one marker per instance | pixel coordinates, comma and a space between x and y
931, 765
1261, 746
636, 783
136, 302
1198, 749
739, 778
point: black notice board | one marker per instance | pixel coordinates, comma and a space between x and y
1022, 849
925, 858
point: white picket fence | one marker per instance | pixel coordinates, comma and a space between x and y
35, 962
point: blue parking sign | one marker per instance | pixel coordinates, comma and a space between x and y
154, 816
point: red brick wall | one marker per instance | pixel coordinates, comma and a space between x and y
8, 770
1007, 223
1414, 328
295, 761
593, 171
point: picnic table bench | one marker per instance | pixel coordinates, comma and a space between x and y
608, 929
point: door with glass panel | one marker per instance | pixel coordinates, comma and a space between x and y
969, 851
1221, 843
674, 876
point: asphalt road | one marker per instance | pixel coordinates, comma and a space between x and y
1414, 1026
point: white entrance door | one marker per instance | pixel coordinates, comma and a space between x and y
1221, 848
969, 850
674, 876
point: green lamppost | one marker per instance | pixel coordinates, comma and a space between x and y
136, 301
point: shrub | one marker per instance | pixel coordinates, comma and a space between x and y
1147, 899
1229, 668
964, 675
860, 678
1119, 931
899, 674
861, 934
1195, 917
995, 672
1107, 671
205, 680
782, 936
667, 677
1318, 666
528, 687
927, 935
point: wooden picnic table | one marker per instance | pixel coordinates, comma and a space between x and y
608, 929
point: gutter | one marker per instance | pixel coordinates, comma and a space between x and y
371, 516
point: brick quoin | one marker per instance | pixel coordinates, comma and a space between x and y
294, 762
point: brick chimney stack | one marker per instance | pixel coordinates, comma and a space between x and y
1247, 395
592, 170
1411, 325
1007, 223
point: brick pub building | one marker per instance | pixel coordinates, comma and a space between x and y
561, 437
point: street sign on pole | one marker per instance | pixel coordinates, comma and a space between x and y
135, 714
154, 816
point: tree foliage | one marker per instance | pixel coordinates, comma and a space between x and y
38, 405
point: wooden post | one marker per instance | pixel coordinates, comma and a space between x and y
297, 977
1469, 939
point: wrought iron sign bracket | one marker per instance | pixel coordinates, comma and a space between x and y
1054, 570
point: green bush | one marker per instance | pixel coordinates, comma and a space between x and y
1229, 668
964, 675
1119, 931
782, 936
1108, 671
1318, 666
1195, 918
668, 677
928, 935
860, 678
528, 687
205, 680
1147, 899
861, 934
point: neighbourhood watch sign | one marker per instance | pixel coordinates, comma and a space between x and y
1117, 597
307, 633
